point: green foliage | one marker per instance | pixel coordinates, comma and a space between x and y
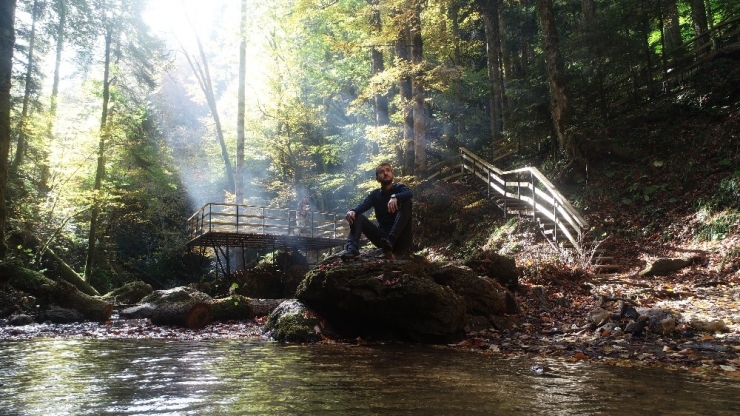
717, 226
726, 196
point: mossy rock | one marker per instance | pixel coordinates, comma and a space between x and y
293, 321
130, 293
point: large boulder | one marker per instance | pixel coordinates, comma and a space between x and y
665, 266
482, 296
496, 266
400, 299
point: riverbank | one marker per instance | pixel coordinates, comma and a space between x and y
554, 327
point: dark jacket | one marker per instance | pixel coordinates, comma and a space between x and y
378, 200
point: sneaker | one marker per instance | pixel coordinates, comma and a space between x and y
386, 244
350, 252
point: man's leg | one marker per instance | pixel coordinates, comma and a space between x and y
399, 237
361, 225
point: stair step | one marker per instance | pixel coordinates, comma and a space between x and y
606, 266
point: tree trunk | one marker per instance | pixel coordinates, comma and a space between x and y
56, 268
407, 146
192, 315
490, 16
241, 108
646, 49
418, 93
129, 294
23, 128
699, 20
45, 164
594, 59
380, 101
710, 22
232, 308
672, 29
7, 40
204, 78
559, 106
100, 171
49, 292
458, 119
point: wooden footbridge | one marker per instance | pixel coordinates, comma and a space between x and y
223, 226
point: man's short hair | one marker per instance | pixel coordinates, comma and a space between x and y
377, 170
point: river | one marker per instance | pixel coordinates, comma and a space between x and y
231, 377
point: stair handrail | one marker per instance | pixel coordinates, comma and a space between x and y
537, 192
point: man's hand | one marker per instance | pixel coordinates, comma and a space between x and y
350, 217
393, 205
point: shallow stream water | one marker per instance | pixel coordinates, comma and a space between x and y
155, 377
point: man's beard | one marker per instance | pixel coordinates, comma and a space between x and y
385, 182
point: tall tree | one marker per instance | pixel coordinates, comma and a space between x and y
490, 13
671, 28
61, 9
130, 58
7, 41
403, 57
241, 108
100, 169
559, 106
418, 93
203, 75
380, 100
700, 23
23, 128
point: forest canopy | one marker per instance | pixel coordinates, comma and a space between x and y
119, 119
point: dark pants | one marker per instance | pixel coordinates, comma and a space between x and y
399, 234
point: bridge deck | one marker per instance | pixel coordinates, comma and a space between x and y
231, 225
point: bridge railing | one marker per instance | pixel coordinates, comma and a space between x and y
249, 219
525, 186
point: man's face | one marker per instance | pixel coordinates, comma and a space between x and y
384, 174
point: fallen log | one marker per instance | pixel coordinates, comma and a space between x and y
192, 315
50, 292
130, 293
232, 308
55, 266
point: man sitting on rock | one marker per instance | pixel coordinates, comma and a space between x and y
392, 205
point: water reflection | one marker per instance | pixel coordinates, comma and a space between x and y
127, 377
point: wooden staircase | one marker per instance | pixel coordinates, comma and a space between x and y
526, 192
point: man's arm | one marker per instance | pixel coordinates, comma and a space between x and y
402, 192
360, 208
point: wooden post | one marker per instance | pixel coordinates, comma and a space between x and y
555, 219
488, 183
534, 196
